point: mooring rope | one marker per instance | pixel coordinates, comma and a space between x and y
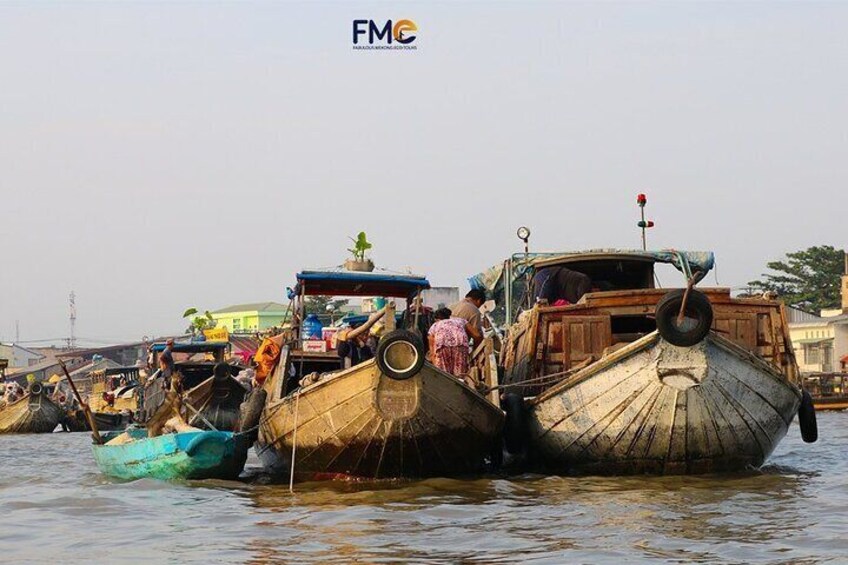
537, 381
294, 441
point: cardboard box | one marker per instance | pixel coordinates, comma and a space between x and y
315, 345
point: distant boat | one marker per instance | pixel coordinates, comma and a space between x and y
33, 413
114, 397
185, 455
217, 398
829, 390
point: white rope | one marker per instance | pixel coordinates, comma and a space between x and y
294, 441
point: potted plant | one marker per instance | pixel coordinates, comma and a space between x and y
359, 262
198, 323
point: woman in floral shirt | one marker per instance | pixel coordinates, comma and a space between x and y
449, 343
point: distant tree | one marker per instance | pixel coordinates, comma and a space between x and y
809, 279
318, 305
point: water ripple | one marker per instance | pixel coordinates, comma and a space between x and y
55, 506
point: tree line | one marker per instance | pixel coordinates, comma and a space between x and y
809, 280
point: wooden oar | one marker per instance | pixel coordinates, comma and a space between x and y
197, 414
85, 409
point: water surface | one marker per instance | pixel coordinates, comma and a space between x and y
56, 507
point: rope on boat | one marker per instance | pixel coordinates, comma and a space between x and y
198, 413
536, 381
247, 431
294, 441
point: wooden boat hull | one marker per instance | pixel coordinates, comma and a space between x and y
31, 414
652, 407
188, 455
111, 421
360, 423
75, 421
217, 401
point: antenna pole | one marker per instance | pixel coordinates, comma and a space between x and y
72, 342
643, 224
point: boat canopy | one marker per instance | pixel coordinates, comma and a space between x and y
193, 347
519, 268
353, 283
111, 371
694, 264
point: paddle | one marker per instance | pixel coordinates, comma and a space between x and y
96, 434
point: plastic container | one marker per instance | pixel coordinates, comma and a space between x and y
329, 335
311, 328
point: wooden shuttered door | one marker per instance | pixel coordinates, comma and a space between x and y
567, 340
585, 337
740, 328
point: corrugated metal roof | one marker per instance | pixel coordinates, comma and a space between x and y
812, 340
796, 316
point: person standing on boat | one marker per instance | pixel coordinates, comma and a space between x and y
469, 310
166, 362
353, 350
448, 339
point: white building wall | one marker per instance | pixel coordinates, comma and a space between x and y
19, 356
440, 296
840, 344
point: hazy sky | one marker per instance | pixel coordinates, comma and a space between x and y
159, 156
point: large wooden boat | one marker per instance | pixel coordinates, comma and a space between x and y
33, 413
389, 417
620, 381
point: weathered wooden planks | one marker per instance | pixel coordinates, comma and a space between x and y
31, 414
661, 408
361, 423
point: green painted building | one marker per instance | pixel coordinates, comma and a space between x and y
247, 318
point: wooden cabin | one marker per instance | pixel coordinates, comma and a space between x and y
552, 340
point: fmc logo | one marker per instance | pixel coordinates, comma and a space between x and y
384, 35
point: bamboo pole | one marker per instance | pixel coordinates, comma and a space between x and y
86, 410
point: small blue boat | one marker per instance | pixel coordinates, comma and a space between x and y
186, 455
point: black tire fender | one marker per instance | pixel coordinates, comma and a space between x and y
807, 418
400, 354
35, 389
515, 423
221, 372
250, 411
699, 317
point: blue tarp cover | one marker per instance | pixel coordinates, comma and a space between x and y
691, 263
353, 283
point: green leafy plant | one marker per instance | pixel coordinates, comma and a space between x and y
360, 246
198, 323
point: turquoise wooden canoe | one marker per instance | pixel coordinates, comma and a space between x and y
187, 455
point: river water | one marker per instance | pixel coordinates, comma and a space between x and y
56, 507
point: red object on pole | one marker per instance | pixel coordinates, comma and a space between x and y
641, 199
